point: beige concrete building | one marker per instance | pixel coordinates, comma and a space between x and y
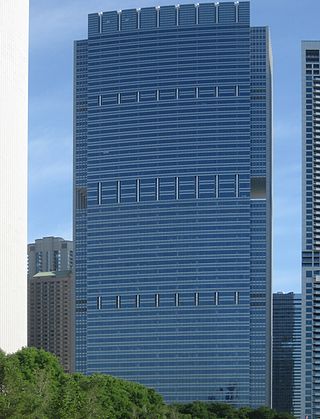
14, 28
50, 315
50, 254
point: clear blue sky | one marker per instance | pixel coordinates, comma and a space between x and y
54, 25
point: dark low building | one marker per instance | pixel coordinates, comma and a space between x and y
50, 315
287, 353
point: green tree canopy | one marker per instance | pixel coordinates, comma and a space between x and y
34, 386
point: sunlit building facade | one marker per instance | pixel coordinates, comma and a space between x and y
14, 30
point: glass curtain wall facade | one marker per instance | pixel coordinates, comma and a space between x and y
172, 192
286, 378
311, 230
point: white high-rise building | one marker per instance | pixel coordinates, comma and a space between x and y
14, 28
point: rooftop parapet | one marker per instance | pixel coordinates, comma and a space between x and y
169, 17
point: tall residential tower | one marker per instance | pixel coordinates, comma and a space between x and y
49, 254
50, 315
311, 230
172, 193
51, 298
14, 29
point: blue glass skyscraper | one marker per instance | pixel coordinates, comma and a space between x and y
172, 190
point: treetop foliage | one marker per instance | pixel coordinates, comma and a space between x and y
34, 386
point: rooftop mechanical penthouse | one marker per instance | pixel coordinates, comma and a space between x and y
172, 193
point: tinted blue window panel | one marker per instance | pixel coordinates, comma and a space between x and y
187, 187
187, 93
207, 186
147, 96
110, 22
129, 20
207, 92
110, 99
227, 186
227, 13
128, 191
168, 15
147, 190
244, 90
227, 91
207, 14
128, 302
187, 15
109, 195
244, 186
93, 24
148, 18
167, 94
129, 97
167, 188
244, 12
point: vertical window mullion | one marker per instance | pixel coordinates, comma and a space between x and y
138, 190
100, 22
197, 186
217, 186
236, 11
217, 12
138, 18
237, 186
176, 187
99, 193
236, 297
118, 191
119, 21
118, 301
157, 189
99, 303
